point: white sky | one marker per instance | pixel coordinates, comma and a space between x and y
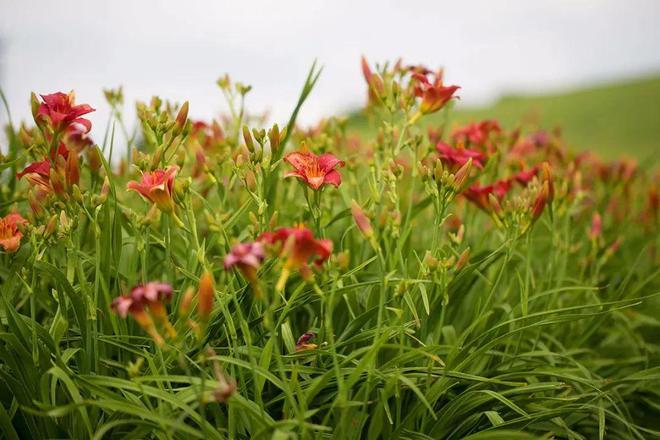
177, 49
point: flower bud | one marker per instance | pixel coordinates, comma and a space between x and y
181, 118
72, 169
247, 137
205, 295
51, 226
77, 194
57, 181
461, 176
596, 227
186, 302
361, 220
34, 105
463, 259
274, 138
540, 201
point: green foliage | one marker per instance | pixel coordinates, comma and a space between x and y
433, 318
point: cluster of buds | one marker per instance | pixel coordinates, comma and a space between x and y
263, 146
443, 183
163, 129
146, 305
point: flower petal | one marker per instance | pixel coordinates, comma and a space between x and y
333, 178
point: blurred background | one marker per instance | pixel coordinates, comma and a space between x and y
592, 66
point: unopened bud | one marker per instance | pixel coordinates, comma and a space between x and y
361, 220
57, 181
247, 137
463, 259
438, 170
34, 104
77, 194
186, 301
596, 227
51, 226
274, 138
72, 169
181, 118
461, 176
540, 201
205, 295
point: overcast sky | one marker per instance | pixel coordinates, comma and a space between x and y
177, 49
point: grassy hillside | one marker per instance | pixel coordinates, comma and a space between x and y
613, 119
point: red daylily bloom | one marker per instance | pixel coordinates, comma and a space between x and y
314, 170
39, 173
479, 194
10, 235
477, 134
526, 176
157, 186
298, 245
151, 297
303, 342
76, 138
434, 94
457, 157
59, 110
246, 256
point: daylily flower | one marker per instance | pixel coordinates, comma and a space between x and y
477, 134
314, 170
479, 195
76, 138
434, 94
151, 297
54, 175
157, 186
303, 342
247, 257
525, 176
59, 111
10, 234
298, 246
457, 157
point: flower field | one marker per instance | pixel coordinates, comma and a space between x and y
234, 279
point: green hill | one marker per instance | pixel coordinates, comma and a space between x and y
613, 119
